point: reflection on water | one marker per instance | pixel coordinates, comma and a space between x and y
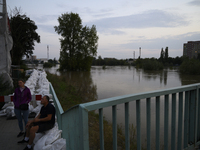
122, 80
116, 81
83, 83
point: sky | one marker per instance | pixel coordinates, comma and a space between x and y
122, 25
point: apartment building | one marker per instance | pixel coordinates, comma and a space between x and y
191, 49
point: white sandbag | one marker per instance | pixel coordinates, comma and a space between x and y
8, 113
47, 147
40, 143
38, 103
3, 111
53, 135
7, 104
50, 96
31, 108
59, 144
10, 108
2, 114
37, 109
37, 137
45, 92
13, 113
48, 138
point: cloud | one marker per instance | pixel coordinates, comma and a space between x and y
110, 31
147, 19
47, 28
194, 3
174, 43
45, 18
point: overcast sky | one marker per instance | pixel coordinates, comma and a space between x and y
123, 26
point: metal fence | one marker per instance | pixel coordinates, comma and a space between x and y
184, 121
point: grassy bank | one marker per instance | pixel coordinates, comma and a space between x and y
72, 91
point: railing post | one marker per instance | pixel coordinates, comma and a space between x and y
186, 119
180, 121
101, 129
192, 117
197, 109
114, 120
127, 137
75, 126
173, 122
198, 129
148, 109
138, 124
157, 122
166, 124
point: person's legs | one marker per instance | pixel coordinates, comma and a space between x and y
28, 131
25, 116
33, 130
19, 118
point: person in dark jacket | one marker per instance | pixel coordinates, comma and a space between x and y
22, 97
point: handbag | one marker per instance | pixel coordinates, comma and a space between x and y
23, 107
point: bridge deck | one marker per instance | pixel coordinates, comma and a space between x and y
8, 135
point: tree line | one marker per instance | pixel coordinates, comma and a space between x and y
109, 62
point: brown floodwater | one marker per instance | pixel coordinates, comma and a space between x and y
122, 80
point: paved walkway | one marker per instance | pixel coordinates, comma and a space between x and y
8, 135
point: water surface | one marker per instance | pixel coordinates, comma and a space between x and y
122, 80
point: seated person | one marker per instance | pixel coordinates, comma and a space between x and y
43, 122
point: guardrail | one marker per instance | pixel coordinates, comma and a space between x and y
10, 98
74, 122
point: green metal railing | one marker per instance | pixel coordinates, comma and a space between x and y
184, 135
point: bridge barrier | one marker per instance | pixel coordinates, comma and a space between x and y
184, 135
10, 98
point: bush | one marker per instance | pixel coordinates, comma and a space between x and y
190, 66
47, 65
151, 64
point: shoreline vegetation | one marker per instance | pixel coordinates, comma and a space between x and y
186, 65
70, 94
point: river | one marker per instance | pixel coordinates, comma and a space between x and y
122, 80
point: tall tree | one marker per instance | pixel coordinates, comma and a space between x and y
162, 55
24, 35
166, 54
78, 43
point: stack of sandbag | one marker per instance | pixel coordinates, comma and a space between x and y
8, 110
43, 84
50, 140
32, 81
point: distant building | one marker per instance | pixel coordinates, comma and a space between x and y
32, 57
191, 49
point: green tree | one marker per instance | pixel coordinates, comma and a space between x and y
162, 55
24, 35
166, 54
78, 43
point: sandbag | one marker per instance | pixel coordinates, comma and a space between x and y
59, 144
37, 137
7, 104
